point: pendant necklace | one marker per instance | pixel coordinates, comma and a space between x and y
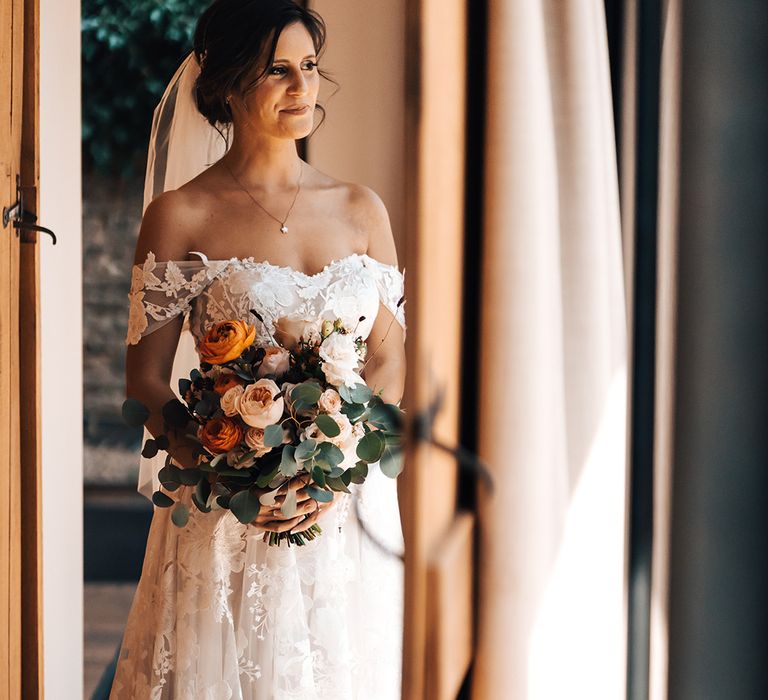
283, 227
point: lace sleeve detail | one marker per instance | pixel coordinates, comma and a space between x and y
390, 283
161, 291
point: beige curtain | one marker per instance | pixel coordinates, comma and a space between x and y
552, 394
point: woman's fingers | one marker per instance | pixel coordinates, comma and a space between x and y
307, 522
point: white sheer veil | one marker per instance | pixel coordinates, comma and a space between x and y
181, 145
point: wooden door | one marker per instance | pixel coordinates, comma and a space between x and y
439, 540
20, 549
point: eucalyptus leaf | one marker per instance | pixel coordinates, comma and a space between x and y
150, 449
262, 481
245, 506
329, 455
162, 442
190, 477
169, 474
162, 500
329, 426
309, 391
180, 515
391, 463
134, 412
360, 393
337, 484
346, 393
319, 494
202, 491
288, 464
370, 447
273, 435
353, 411
306, 449
288, 509
175, 414
334, 473
318, 475
184, 386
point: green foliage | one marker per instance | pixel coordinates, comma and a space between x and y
130, 50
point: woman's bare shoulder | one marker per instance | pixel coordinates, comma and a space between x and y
168, 226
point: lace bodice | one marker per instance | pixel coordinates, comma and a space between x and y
215, 290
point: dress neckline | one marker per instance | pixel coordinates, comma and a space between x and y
287, 268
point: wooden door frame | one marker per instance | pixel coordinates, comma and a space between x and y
20, 558
438, 632
29, 345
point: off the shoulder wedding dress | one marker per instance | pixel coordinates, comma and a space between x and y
220, 615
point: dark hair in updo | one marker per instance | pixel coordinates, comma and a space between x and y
232, 36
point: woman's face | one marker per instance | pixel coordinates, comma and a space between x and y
291, 82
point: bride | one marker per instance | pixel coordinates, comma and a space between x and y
217, 612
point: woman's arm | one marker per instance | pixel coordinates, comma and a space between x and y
385, 364
165, 230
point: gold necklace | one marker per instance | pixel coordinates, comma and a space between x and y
283, 227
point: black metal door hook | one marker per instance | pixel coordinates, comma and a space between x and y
21, 218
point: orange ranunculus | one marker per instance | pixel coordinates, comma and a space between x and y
225, 381
225, 341
220, 434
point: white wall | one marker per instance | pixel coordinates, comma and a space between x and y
61, 326
362, 138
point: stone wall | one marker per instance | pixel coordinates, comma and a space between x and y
111, 219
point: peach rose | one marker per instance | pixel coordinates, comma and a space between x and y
276, 361
225, 341
229, 402
224, 381
257, 404
329, 401
254, 438
220, 434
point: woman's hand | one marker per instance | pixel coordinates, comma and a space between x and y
308, 510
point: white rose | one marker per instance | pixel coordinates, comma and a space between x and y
329, 401
254, 438
276, 361
340, 359
257, 405
229, 401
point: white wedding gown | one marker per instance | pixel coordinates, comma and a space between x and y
217, 613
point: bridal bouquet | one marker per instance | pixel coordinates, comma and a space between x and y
260, 416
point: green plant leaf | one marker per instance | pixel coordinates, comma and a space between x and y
134, 412
180, 515
353, 411
273, 435
288, 464
288, 509
337, 484
306, 449
150, 449
360, 393
329, 455
190, 477
245, 506
329, 426
309, 392
391, 463
370, 447
319, 494
169, 474
162, 500
318, 475
176, 414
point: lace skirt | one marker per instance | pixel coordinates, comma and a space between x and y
220, 615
